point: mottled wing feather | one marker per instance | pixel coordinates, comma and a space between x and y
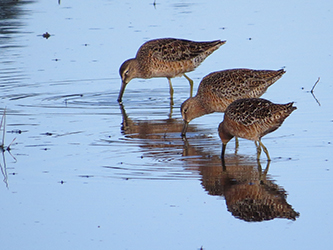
259, 111
250, 111
238, 83
228, 85
170, 50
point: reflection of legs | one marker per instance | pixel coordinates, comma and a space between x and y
265, 150
171, 92
267, 167
191, 84
259, 171
262, 175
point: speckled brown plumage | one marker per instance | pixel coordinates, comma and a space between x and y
218, 89
252, 118
166, 57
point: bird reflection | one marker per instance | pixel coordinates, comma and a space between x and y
151, 129
250, 195
159, 143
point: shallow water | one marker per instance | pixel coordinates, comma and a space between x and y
84, 172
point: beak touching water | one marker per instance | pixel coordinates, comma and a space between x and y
121, 92
184, 129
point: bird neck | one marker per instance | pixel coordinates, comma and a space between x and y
200, 108
224, 133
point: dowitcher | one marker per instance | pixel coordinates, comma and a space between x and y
252, 118
218, 89
166, 57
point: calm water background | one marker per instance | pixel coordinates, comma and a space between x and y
76, 178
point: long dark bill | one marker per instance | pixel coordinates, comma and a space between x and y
121, 92
222, 155
184, 129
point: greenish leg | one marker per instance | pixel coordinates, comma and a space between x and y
258, 149
170, 112
236, 143
265, 150
191, 84
171, 92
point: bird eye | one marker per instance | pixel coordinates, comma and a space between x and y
126, 72
185, 111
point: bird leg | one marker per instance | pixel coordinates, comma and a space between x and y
265, 150
258, 149
236, 144
171, 92
191, 84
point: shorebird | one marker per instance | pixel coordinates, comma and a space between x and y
166, 57
252, 118
218, 89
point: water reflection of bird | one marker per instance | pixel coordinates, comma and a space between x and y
166, 57
159, 145
256, 198
149, 129
252, 119
158, 138
249, 194
218, 89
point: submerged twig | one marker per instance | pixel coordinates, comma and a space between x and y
4, 148
8, 147
3, 127
3, 122
311, 91
4, 169
315, 85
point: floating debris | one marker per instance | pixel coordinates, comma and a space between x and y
46, 35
